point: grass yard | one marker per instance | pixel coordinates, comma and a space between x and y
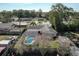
54, 44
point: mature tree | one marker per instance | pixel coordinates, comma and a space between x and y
15, 13
33, 13
27, 13
5, 16
57, 14
39, 13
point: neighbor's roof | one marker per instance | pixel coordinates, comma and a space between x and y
5, 41
5, 25
25, 19
20, 23
35, 27
30, 19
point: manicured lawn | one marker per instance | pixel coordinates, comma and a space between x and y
54, 44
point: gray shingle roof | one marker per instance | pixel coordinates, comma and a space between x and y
35, 27
5, 25
33, 31
26, 19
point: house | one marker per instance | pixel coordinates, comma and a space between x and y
9, 28
33, 30
5, 26
31, 19
41, 21
22, 21
25, 19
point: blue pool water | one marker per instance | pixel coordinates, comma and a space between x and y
29, 39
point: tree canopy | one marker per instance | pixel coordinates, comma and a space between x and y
61, 14
5, 16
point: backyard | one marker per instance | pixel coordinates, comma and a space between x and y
43, 46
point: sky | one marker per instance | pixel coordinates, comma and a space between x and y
34, 6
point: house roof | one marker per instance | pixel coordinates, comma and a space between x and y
5, 25
44, 29
5, 42
25, 19
21, 23
35, 27
30, 19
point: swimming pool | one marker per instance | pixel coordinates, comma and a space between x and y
29, 39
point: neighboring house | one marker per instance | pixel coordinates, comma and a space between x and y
45, 23
31, 19
28, 21
23, 23
5, 26
41, 21
9, 28
2, 49
25, 19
